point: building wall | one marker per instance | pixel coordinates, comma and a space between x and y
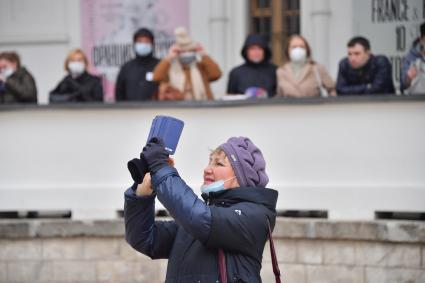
308, 251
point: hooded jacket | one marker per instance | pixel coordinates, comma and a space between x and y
234, 220
251, 74
413, 55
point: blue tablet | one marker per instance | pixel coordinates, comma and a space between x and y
169, 129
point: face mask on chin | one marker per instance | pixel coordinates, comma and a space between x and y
215, 186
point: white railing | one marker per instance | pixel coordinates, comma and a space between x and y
350, 159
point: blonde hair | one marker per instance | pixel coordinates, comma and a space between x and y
72, 53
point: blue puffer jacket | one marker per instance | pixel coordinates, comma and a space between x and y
234, 220
373, 78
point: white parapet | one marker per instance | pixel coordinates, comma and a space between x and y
350, 159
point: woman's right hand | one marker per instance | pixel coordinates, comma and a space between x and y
173, 52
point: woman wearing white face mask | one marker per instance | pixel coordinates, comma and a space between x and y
300, 76
17, 85
187, 71
78, 85
229, 227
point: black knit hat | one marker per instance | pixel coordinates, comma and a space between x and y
143, 32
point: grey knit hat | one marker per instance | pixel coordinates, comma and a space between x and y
247, 162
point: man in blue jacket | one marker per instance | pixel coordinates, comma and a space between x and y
233, 219
363, 73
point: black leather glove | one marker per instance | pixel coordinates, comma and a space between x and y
138, 169
155, 154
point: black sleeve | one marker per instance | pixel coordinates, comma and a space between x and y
66, 91
342, 86
152, 238
120, 91
383, 77
232, 85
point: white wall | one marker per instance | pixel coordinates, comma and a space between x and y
336, 23
42, 32
349, 159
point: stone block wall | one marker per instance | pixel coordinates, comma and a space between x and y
308, 251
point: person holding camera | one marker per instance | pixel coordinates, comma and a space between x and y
413, 71
220, 238
186, 72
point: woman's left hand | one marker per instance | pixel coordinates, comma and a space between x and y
145, 188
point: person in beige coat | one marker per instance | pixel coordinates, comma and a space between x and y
300, 76
187, 70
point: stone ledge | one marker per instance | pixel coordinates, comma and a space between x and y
218, 103
382, 231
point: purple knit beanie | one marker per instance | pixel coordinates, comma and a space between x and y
247, 162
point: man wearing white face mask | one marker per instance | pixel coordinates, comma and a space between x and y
78, 85
17, 85
300, 76
135, 79
187, 69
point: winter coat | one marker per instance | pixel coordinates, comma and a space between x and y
208, 69
134, 82
234, 220
307, 85
250, 74
19, 88
412, 57
373, 78
84, 88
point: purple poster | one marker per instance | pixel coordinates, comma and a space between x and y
108, 27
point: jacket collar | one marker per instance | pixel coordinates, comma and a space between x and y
263, 196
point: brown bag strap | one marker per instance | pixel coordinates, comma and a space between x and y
276, 270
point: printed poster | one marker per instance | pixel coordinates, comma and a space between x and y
108, 27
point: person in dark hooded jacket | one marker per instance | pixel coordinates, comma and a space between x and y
135, 79
233, 219
257, 71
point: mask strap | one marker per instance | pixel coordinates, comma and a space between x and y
229, 179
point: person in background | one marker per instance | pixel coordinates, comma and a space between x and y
232, 223
300, 76
413, 72
135, 79
17, 85
257, 71
78, 85
362, 72
186, 72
